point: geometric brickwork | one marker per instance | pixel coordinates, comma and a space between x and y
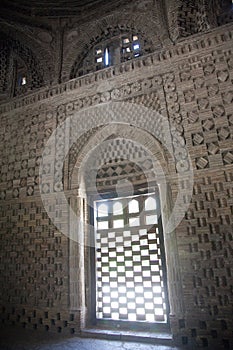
190, 83
122, 159
4, 66
18, 61
116, 149
209, 222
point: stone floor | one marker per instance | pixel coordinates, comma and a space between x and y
22, 339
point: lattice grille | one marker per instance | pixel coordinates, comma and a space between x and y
4, 63
129, 267
121, 46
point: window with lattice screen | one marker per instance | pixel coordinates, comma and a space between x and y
130, 260
112, 51
116, 50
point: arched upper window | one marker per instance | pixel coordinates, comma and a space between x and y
115, 49
20, 71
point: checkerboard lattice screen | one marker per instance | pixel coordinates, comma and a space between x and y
129, 266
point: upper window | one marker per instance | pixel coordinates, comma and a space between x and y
130, 47
116, 50
113, 51
22, 80
21, 83
102, 57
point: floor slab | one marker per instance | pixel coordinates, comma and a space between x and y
22, 339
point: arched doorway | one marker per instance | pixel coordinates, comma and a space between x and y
103, 178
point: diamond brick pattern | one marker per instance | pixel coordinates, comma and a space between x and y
208, 124
193, 116
189, 96
202, 163
228, 157
199, 82
218, 111
223, 133
213, 90
193, 92
227, 97
203, 103
213, 148
230, 119
222, 75
117, 149
198, 139
209, 69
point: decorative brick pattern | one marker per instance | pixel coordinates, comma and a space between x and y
4, 64
190, 85
210, 249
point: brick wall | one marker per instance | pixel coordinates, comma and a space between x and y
190, 84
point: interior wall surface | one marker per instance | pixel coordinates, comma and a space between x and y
190, 84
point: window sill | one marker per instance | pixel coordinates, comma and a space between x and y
160, 338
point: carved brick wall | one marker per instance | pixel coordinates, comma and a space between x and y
34, 285
80, 38
14, 55
4, 59
205, 93
189, 17
191, 85
225, 12
54, 51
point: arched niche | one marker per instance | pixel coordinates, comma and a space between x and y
81, 284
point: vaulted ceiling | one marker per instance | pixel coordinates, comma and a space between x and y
50, 8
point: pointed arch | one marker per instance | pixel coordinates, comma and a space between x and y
157, 151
